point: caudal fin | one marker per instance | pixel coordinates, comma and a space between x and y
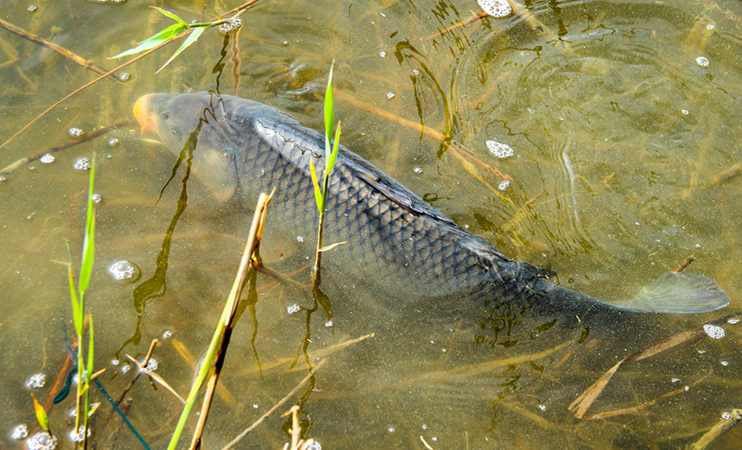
677, 292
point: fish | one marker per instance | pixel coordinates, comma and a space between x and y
397, 246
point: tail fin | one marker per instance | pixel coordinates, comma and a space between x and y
677, 292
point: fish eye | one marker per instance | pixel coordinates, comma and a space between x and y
175, 132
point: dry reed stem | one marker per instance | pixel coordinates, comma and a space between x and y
683, 265
59, 49
717, 431
253, 240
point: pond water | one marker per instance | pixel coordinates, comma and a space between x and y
597, 139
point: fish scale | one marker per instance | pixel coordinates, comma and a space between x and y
396, 243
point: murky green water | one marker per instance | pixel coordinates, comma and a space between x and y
623, 141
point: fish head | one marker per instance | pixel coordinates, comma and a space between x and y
197, 123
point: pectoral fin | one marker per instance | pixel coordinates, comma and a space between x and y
216, 170
678, 292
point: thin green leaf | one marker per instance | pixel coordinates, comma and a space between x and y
89, 374
333, 157
329, 113
152, 42
171, 15
88, 246
76, 315
93, 409
193, 37
41, 414
317, 192
331, 246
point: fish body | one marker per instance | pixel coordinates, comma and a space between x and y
395, 242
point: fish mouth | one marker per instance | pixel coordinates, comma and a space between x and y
143, 113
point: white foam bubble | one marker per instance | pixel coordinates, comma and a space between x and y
499, 149
496, 8
702, 61
714, 331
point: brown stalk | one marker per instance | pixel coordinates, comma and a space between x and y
126, 64
683, 265
250, 248
61, 50
29, 159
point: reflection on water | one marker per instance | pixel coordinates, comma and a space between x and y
617, 123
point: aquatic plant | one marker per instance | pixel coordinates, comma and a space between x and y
195, 31
85, 376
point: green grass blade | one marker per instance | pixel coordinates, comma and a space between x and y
329, 114
152, 42
41, 415
76, 314
334, 155
88, 246
193, 37
171, 15
317, 192
90, 351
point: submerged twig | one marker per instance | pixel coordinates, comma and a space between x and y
61, 50
29, 159
280, 403
718, 430
583, 402
683, 265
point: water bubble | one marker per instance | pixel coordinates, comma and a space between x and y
314, 446
152, 365
125, 76
41, 441
499, 149
299, 238
418, 170
254, 406
391, 429
36, 381
504, 185
2, 179
390, 95
328, 324
725, 363
82, 164
167, 334
125, 368
701, 352
19, 432
675, 380
726, 416
702, 61
685, 112
714, 331
78, 437
97, 199
710, 27
382, 54
115, 362
125, 271
733, 321
75, 133
542, 407
415, 72
32, 8
293, 309
285, 43
47, 159
496, 8
230, 26
425, 427
114, 142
